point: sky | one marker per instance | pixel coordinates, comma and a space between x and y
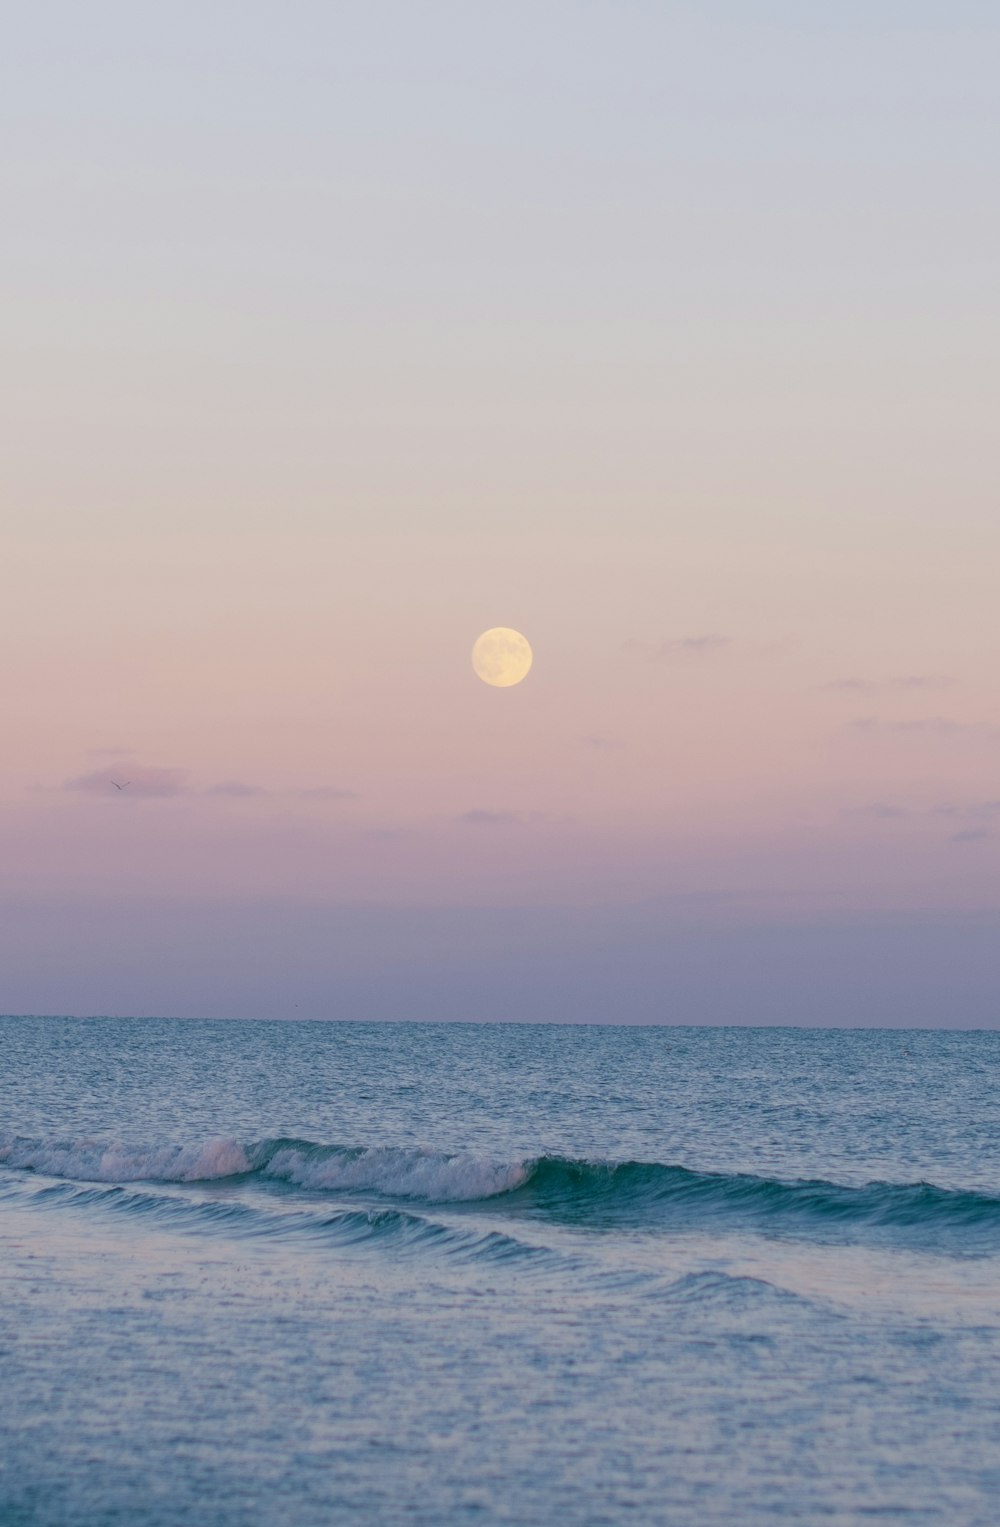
665, 333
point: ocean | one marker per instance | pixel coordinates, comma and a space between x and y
261, 1274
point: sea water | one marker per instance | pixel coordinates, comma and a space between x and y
258, 1273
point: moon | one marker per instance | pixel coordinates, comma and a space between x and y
501, 657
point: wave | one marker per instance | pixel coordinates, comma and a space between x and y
402, 1230
398, 1172
395, 1171
596, 1194
609, 1192
90, 1160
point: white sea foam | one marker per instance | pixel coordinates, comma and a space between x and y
409, 1173
111, 1161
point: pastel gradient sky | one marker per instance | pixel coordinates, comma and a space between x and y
666, 333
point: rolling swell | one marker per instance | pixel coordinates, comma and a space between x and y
608, 1195
632, 1193
399, 1230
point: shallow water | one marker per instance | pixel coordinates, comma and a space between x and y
264, 1274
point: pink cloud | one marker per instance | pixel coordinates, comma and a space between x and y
133, 780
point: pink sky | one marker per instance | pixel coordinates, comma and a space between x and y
685, 375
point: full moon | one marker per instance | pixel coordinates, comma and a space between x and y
501, 657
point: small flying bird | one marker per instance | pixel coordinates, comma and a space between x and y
122, 786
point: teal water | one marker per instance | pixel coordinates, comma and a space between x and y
261, 1273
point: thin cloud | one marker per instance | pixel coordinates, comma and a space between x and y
907, 681
235, 788
926, 726
977, 809
325, 793
150, 782
691, 646
980, 815
597, 741
240, 790
136, 780
480, 818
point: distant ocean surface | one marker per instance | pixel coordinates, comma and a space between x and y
294, 1275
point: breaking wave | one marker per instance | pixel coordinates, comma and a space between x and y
90, 1160
597, 1194
396, 1172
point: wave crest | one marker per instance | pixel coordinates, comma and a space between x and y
404, 1172
629, 1194
91, 1160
